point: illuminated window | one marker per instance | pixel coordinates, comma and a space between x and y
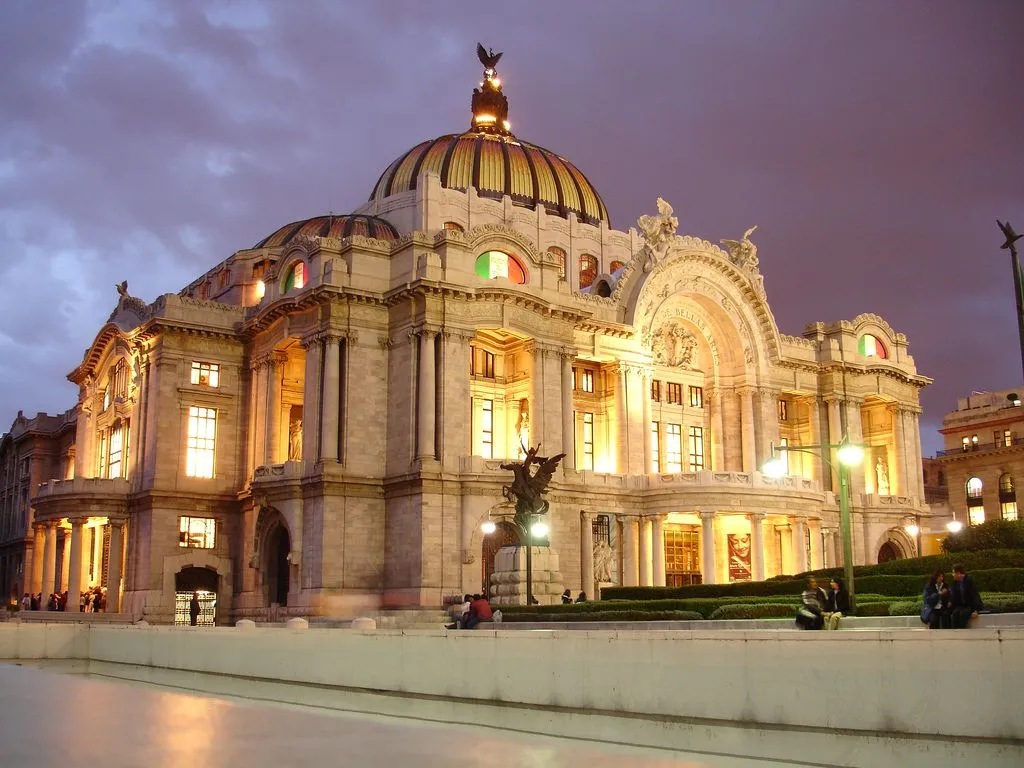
675, 393
975, 515
696, 448
975, 505
974, 487
588, 270
482, 363
615, 266
453, 226
261, 289
588, 381
1007, 497
871, 346
103, 454
655, 390
1008, 509
588, 441
202, 438
206, 374
487, 429
783, 454
601, 529
118, 384
492, 264
296, 277
197, 532
655, 438
114, 457
106, 398
697, 397
559, 254
783, 410
673, 448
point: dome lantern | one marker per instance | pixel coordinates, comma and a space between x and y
489, 106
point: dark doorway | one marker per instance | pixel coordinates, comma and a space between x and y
505, 535
278, 549
190, 580
887, 552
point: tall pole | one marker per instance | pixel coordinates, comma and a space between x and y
1011, 245
529, 561
847, 533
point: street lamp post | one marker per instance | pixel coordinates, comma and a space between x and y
914, 529
849, 455
528, 528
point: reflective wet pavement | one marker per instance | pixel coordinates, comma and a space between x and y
53, 720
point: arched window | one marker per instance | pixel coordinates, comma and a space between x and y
975, 505
588, 270
118, 385
615, 266
296, 277
1007, 497
453, 226
871, 346
559, 254
492, 264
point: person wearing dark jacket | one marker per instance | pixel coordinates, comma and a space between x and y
837, 605
194, 609
936, 610
965, 598
809, 615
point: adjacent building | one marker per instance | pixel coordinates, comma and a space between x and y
316, 426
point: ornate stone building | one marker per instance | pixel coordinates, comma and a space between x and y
315, 426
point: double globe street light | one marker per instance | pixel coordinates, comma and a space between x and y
528, 528
848, 455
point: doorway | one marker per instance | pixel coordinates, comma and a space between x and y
505, 535
195, 580
278, 566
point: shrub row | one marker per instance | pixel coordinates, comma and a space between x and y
604, 616
989, 535
925, 566
754, 611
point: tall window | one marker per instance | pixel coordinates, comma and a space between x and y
1007, 497
682, 555
975, 504
205, 374
482, 363
116, 451
675, 393
198, 532
118, 385
202, 438
588, 441
296, 277
783, 410
655, 436
559, 254
602, 529
655, 390
673, 448
588, 380
588, 270
696, 448
103, 454
487, 429
696, 397
784, 454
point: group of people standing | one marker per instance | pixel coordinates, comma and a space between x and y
950, 606
90, 601
820, 609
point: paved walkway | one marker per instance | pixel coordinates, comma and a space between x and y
53, 720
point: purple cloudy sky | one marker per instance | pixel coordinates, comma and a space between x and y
873, 142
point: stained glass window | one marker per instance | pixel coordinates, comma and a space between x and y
492, 264
296, 277
871, 346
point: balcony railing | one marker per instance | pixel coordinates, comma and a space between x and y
977, 447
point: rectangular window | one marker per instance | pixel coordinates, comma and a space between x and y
575, 377
673, 448
1008, 509
588, 381
696, 448
696, 397
655, 438
976, 515
482, 363
205, 374
588, 441
116, 451
103, 454
487, 429
783, 410
966, 442
682, 555
202, 439
655, 390
784, 454
1007, 438
675, 393
601, 529
197, 532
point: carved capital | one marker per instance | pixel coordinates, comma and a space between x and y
385, 341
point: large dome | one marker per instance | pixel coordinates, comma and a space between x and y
497, 165
330, 226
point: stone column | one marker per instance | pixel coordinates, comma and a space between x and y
814, 419
587, 555
65, 560
756, 545
621, 424
426, 397
114, 566
273, 438
252, 454
707, 545
658, 543
918, 469
536, 395
786, 550
817, 561
898, 483
569, 423
768, 424
717, 431
645, 553
747, 427
75, 570
835, 434
330, 388
645, 387
38, 557
311, 399
629, 564
799, 531
49, 564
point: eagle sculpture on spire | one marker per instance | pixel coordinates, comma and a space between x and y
487, 57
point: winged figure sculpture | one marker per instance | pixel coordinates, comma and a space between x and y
528, 486
487, 57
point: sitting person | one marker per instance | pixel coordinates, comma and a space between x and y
566, 597
479, 612
581, 597
810, 613
463, 614
937, 603
837, 604
965, 598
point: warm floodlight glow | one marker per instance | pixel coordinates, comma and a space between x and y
954, 526
912, 529
508, 127
261, 289
774, 467
850, 455
488, 527
540, 530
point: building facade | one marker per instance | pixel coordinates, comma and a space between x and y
983, 454
316, 425
31, 452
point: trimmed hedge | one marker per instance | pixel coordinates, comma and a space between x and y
906, 608
754, 611
873, 609
989, 535
982, 560
603, 616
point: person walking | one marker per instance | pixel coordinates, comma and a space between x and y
966, 601
937, 603
194, 609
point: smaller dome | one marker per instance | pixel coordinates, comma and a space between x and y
330, 226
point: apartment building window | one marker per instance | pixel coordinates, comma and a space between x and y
655, 390
655, 438
201, 441
588, 441
116, 451
205, 374
482, 363
487, 429
1003, 438
673, 448
1007, 497
198, 532
696, 397
696, 448
975, 504
783, 410
675, 393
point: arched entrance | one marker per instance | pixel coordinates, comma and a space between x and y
278, 562
505, 535
888, 551
190, 580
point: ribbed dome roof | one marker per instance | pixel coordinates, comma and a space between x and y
497, 165
330, 226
